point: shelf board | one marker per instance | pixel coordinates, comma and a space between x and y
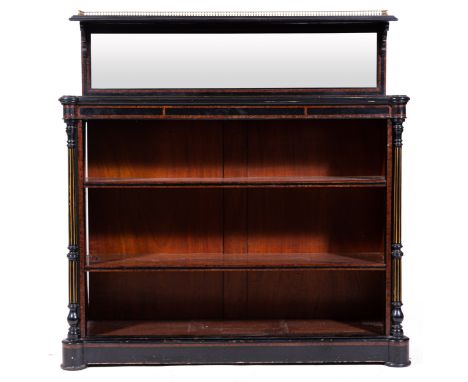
222, 328
273, 181
214, 261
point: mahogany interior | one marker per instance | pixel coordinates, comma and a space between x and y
306, 299
196, 227
217, 149
236, 228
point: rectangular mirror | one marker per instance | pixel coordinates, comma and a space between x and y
245, 60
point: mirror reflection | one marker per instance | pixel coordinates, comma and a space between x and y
295, 60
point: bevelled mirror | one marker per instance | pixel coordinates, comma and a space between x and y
237, 61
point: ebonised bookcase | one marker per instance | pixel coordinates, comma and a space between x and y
227, 226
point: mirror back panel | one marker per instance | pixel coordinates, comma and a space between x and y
177, 61
294, 55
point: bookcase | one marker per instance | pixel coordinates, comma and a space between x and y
234, 225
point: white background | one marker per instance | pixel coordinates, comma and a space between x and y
41, 61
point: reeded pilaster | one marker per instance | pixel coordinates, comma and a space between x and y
73, 230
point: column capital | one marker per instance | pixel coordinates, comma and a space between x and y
397, 124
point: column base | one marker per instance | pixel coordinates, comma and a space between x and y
73, 355
398, 352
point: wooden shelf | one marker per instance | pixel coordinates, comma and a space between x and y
273, 181
221, 328
238, 261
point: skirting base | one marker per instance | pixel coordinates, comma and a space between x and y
332, 350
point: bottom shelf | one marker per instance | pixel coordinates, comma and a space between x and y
240, 328
374, 260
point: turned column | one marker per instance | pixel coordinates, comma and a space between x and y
73, 247
398, 117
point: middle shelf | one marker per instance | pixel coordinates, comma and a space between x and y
198, 228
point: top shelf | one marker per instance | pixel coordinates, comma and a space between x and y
274, 181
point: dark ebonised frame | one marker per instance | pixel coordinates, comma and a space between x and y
230, 24
80, 351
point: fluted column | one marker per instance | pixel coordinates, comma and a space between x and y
73, 246
397, 313
398, 117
